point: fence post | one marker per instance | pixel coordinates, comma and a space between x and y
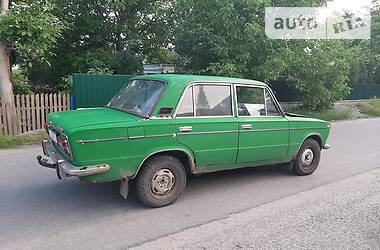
38, 108
33, 110
1, 119
43, 98
23, 116
70, 102
59, 102
18, 113
55, 102
5, 122
28, 112
50, 104
10, 122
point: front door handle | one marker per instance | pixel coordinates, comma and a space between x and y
185, 129
246, 126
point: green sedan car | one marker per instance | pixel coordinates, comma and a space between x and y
161, 128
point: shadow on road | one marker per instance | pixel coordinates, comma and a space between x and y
78, 196
54, 206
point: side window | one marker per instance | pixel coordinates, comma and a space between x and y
271, 106
212, 100
187, 108
250, 101
253, 101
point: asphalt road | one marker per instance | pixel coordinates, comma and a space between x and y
339, 215
39, 212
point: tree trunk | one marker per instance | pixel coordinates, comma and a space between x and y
6, 90
5, 83
4, 7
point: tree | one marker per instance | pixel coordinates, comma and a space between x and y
33, 30
117, 36
365, 68
227, 37
5, 83
6, 91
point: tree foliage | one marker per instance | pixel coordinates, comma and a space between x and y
20, 83
112, 36
227, 37
217, 37
365, 68
31, 27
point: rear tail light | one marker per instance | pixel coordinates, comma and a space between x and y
46, 127
64, 145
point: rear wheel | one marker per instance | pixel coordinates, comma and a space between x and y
307, 159
161, 181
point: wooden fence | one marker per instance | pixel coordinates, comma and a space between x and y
31, 112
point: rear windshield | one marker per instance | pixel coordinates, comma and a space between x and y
138, 97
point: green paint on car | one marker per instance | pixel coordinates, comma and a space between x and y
200, 123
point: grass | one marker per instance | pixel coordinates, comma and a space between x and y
24, 139
330, 115
372, 108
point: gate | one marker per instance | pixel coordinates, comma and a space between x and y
96, 90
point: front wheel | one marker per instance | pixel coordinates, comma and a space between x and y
307, 159
161, 181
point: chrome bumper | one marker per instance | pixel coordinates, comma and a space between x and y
65, 168
326, 146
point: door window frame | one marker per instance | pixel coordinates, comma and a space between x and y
265, 90
233, 86
208, 83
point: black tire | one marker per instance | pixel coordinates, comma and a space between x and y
161, 167
303, 163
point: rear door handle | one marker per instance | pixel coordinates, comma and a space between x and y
185, 129
246, 126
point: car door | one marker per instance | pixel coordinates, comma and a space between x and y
263, 130
205, 122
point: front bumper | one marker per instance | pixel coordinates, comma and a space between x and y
65, 168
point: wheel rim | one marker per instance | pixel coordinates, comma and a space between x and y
307, 157
162, 182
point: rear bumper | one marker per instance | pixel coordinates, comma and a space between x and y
65, 168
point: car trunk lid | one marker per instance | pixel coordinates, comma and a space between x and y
92, 116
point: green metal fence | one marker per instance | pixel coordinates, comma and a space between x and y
96, 90
364, 91
359, 91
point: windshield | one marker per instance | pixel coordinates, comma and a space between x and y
138, 97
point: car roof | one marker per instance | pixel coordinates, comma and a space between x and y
177, 83
185, 80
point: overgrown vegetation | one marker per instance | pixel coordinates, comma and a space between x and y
371, 108
329, 115
217, 37
227, 37
20, 83
24, 139
33, 29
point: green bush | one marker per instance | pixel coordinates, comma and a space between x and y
20, 83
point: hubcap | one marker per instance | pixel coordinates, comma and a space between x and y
307, 157
162, 182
